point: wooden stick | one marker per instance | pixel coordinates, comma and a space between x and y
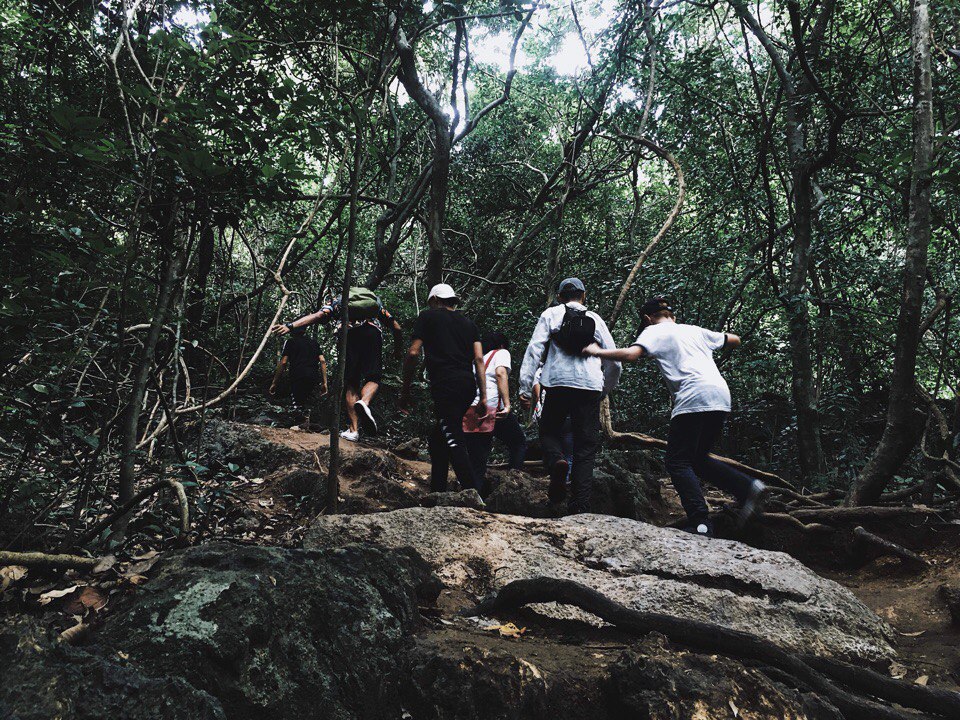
887, 547
45, 560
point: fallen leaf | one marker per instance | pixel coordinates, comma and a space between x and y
146, 556
507, 630
266, 503
898, 671
922, 680
106, 562
733, 708
90, 598
51, 595
142, 567
136, 579
10, 574
122, 655
256, 481
918, 633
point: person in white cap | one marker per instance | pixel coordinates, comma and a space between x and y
451, 345
575, 385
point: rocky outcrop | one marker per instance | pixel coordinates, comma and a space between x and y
636, 564
43, 679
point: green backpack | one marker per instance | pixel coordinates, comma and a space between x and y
363, 304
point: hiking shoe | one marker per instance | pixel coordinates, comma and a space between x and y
366, 417
753, 503
703, 529
558, 481
351, 435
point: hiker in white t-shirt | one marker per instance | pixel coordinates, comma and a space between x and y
507, 429
701, 403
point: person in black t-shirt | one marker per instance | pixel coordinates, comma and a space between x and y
454, 360
302, 359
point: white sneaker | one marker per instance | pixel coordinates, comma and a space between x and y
351, 435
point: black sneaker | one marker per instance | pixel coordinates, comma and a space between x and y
753, 504
558, 481
365, 415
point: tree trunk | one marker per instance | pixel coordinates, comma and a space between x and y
803, 386
130, 423
437, 205
900, 435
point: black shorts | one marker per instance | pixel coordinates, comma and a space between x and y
304, 391
364, 361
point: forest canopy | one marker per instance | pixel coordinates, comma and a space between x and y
179, 176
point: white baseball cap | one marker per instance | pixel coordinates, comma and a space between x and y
443, 292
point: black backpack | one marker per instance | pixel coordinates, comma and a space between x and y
576, 331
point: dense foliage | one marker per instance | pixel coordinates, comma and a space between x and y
176, 174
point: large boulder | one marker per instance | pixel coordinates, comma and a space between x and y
634, 563
278, 633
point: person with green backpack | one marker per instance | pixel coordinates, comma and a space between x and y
364, 357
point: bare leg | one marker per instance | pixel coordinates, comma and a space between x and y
369, 391
350, 397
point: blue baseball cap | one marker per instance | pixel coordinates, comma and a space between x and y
571, 284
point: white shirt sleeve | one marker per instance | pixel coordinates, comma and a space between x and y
714, 340
501, 359
649, 342
533, 357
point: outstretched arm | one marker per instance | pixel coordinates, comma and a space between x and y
628, 354
320, 316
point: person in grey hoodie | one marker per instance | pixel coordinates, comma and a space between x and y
575, 385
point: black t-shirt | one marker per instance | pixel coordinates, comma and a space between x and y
448, 337
303, 357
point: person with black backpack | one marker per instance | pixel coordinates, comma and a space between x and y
364, 357
575, 385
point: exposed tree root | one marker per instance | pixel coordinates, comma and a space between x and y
809, 672
788, 519
649, 441
860, 513
887, 547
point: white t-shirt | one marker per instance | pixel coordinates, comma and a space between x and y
685, 356
501, 358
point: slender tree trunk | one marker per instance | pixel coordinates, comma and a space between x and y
130, 423
900, 433
333, 473
437, 206
803, 385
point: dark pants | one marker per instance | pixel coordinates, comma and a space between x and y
583, 409
508, 431
692, 435
446, 442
